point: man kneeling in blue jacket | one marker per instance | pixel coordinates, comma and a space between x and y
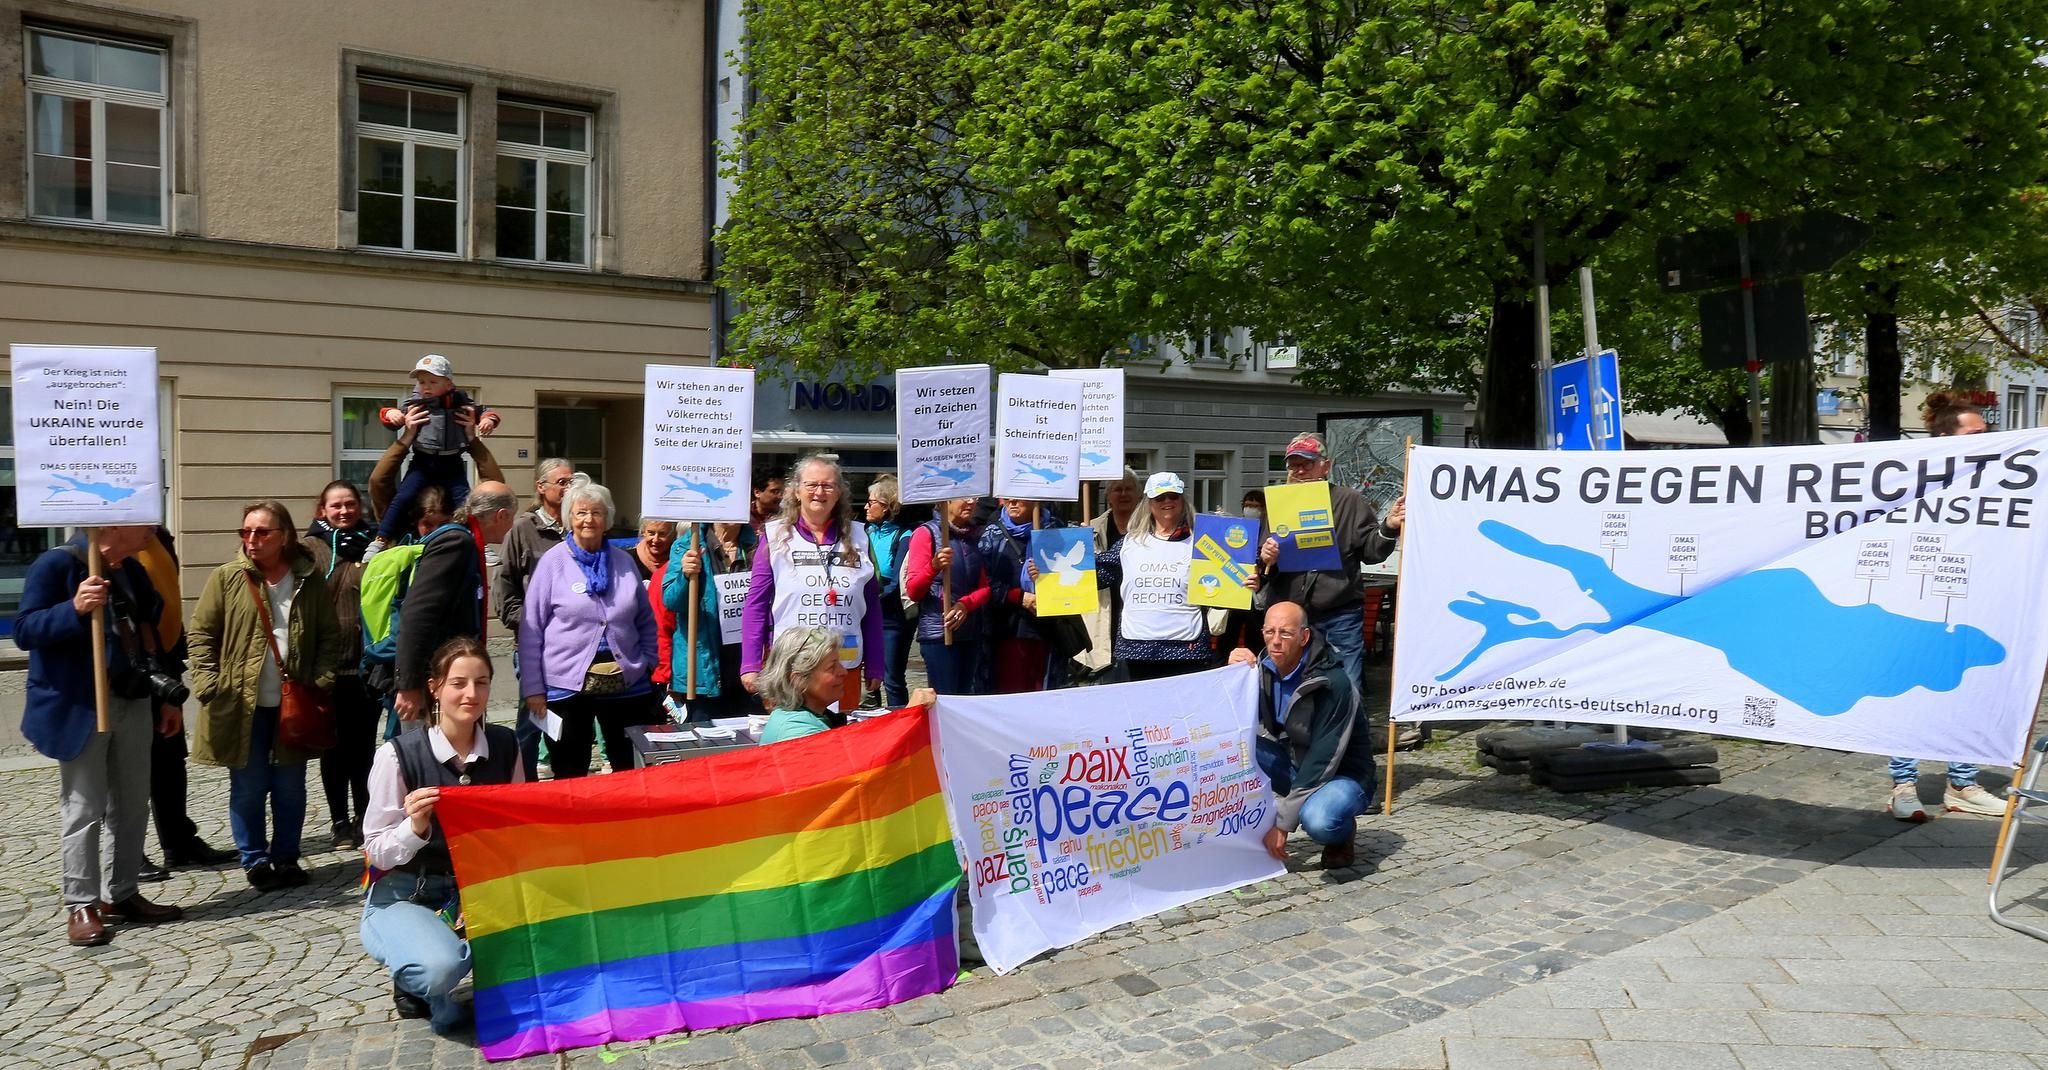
1312, 741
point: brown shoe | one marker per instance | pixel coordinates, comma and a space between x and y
139, 911
1339, 856
87, 928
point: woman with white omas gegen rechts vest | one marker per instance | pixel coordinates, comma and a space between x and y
813, 569
1159, 633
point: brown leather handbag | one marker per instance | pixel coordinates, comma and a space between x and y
305, 714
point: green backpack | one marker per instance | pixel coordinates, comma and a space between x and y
385, 580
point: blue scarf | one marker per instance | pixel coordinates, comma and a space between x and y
596, 566
1015, 530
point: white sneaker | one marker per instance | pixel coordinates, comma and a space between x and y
1906, 802
1972, 800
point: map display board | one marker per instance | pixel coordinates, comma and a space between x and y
1746, 592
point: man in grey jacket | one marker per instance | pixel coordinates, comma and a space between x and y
533, 533
1312, 741
1335, 601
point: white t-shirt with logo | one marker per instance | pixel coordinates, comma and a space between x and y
1155, 591
817, 587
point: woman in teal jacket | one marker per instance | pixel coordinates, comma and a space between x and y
710, 550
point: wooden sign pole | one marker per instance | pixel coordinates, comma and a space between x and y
1387, 807
696, 592
94, 568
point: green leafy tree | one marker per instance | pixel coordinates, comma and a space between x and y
1040, 180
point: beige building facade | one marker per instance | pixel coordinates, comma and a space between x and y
294, 202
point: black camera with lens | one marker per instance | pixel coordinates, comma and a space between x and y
153, 681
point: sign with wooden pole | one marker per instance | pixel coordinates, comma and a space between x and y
87, 453
697, 460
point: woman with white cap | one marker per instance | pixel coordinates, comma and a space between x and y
1160, 634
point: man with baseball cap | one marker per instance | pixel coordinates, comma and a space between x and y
1335, 601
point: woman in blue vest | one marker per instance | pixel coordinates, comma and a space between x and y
411, 913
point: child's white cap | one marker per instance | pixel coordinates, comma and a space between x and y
434, 364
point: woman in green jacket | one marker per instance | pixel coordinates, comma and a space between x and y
238, 684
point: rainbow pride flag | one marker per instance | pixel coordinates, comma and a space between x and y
807, 877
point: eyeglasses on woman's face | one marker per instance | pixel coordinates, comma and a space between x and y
253, 534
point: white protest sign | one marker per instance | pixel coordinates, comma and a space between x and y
86, 449
942, 417
732, 601
1038, 438
1078, 811
1684, 557
1614, 530
1952, 576
1510, 608
1102, 420
698, 444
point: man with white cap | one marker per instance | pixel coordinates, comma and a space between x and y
1334, 600
441, 418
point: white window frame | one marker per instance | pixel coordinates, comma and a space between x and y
577, 462
542, 156
2016, 407
342, 452
100, 96
410, 138
1225, 501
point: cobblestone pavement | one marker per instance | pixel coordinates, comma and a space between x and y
1476, 893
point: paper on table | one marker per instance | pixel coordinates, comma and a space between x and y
684, 736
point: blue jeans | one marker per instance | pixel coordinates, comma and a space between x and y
283, 785
1330, 815
1344, 630
424, 955
444, 470
896, 636
951, 669
1907, 770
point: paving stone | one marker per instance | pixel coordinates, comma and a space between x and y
1828, 1030
1473, 1053
1656, 1055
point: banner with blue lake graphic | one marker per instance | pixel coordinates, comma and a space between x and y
1874, 597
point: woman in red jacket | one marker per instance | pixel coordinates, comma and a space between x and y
955, 668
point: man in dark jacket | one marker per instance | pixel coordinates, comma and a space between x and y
446, 596
104, 776
1312, 741
1335, 601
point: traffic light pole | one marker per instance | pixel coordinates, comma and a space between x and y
1755, 366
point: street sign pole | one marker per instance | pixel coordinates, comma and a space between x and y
1755, 366
1595, 381
1545, 424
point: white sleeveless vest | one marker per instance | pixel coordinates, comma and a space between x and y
1155, 591
803, 581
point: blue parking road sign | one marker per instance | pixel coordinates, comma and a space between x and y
1573, 408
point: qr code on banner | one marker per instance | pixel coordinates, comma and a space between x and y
1759, 712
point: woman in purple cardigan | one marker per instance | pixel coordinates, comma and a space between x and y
587, 639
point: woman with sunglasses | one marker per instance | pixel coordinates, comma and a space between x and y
263, 618
1159, 633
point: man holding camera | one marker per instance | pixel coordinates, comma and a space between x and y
104, 776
